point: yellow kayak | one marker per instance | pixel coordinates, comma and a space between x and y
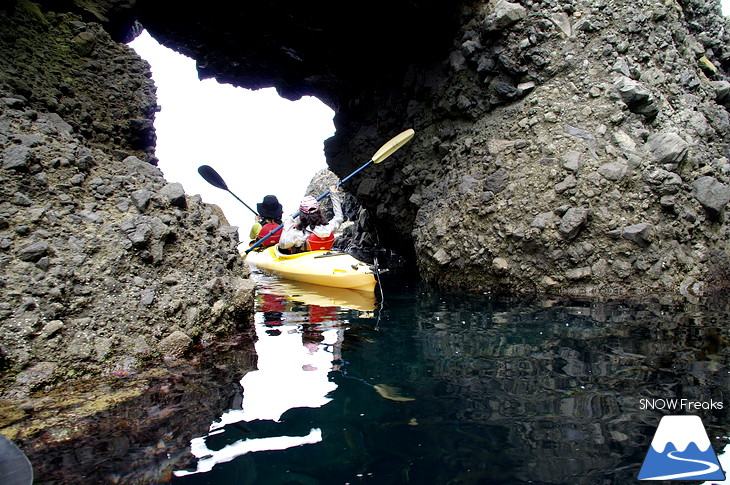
327, 268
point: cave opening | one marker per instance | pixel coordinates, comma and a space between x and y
258, 141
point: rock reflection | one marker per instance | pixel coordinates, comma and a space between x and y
127, 429
432, 387
563, 383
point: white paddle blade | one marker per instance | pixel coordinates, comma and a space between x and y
392, 145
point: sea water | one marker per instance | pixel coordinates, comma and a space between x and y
428, 386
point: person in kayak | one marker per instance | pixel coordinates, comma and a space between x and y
269, 218
311, 231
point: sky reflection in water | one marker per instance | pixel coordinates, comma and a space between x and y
296, 352
446, 387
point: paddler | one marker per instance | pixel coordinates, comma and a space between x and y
269, 218
310, 231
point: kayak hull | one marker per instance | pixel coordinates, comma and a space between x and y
338, 270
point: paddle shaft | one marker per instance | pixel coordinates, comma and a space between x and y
242, 202
325, 194
383, 152
213, 178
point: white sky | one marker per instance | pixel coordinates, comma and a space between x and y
257, 141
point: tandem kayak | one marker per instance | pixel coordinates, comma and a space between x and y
327, 268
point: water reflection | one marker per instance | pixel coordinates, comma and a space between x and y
468, 389
434, 387
298, 346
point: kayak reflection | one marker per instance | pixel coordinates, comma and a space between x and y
318, 295
300, 330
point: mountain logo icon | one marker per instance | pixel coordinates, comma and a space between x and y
681, 450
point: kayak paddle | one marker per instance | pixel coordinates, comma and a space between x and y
214, 179
383, 152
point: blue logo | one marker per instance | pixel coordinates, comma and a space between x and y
681, 450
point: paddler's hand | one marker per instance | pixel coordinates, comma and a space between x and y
333, 188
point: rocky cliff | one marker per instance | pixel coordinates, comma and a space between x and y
105, 265
562, 146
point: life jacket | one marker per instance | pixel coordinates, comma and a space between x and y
316, 243
267, 228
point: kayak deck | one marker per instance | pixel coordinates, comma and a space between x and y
339, 270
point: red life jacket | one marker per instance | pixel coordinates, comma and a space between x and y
316, 243
267, 228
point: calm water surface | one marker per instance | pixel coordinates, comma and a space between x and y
447, 388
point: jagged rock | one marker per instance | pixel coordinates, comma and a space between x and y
668, 149
17, 157
613, 171
572, 161
572, 222
712, 194
173, 194
722, 91
575, 274
506, 101
505, 14
34, 251
662, 181
639, 233
567, 183
637, 97
500, 266
497, 181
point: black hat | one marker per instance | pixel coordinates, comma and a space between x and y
270, 208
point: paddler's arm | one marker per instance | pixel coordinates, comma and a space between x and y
290, 235
338, 218
254, 233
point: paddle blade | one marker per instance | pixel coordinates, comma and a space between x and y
212, 177
392, 145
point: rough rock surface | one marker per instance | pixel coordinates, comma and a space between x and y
547, 131
105, 265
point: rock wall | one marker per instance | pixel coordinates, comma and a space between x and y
105, 265
562, 146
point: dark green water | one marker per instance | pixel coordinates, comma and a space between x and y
450, 388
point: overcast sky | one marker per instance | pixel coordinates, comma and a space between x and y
257, 141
